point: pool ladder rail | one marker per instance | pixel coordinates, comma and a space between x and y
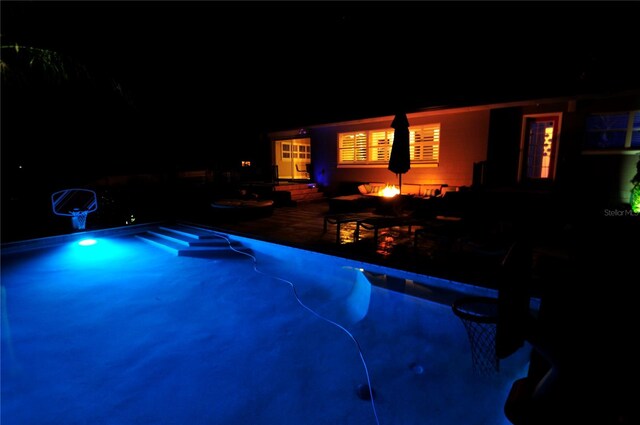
190, 241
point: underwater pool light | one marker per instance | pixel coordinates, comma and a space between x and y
87, 242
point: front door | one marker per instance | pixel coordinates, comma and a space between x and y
539, 148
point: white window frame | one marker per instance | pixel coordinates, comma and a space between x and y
371, 148
629, 132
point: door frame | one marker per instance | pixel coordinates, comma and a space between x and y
294, 167
523, 160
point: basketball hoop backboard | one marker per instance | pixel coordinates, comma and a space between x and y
69, 202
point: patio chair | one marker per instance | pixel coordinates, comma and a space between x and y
304, 169
443, 229
340, 219
383, 222
445, 219
367, 197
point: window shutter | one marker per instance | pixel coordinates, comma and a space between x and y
425, 144
361, 146
380, 146
374, 147
353, 147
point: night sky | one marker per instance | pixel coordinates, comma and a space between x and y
199, 83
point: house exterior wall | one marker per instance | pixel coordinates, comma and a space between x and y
505, 140
493, 135
504, 147
603, 177
598, 177
463, 141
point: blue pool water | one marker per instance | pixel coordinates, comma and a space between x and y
123, 332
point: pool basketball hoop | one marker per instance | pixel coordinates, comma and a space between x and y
75, 203
479, 315
79, 219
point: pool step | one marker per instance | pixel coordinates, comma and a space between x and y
192, 231
189, 241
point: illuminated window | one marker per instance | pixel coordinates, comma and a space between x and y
302, 149
380, 146
286, 151
425, 144
353, 147
613, 131
540, 147
374, 147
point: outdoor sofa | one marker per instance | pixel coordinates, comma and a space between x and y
368, 196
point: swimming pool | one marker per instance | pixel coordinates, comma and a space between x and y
122, 332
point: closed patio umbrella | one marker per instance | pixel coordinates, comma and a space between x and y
400, 158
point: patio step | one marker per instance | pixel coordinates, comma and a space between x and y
309, 196
190, 241
301, 192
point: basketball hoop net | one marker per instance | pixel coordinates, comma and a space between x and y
78, 219
480, 317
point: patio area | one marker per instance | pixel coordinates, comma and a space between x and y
435, 250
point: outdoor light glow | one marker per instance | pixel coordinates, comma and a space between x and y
90, 252
87, 242
389, 191
635, 199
